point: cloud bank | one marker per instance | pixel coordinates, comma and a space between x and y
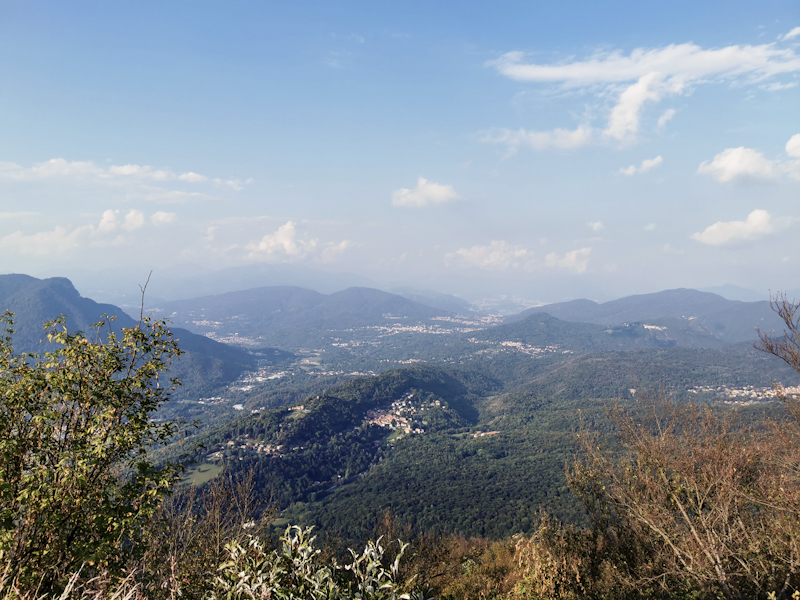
109, 231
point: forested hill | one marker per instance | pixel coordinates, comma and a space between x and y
472, 449
35, 301
293, 316
543, 330
729, 320
342, 432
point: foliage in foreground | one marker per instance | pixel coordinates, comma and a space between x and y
292, 571
76, 484
699, 506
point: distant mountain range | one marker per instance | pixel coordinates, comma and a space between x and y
295, 317
709, 318
292, 315
194, 281
34, 301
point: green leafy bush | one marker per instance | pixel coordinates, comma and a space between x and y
76, 483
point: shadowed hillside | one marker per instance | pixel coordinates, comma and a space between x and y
206, 363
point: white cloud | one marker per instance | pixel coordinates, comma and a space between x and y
560, 139
162, 218
133, 220
284, 243
747, 164
193, 177
108, 222
139, 172
793, 146
624, 118
499, 255
646, 165
424, 194
758, 224
596, 226
666, 117
575, 260
792, 34
647, 76
650, 227
739, 164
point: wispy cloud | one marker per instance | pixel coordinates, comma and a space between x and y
17, 214
60, 168
332, 251
597, 226
499, 255
686, 62
666, 118
162, 218
560, 139
574, 260
425, 193
646, 165
792, 34
643, 77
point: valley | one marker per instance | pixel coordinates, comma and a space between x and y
347, 405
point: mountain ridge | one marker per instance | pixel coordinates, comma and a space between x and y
37, 301
730, 320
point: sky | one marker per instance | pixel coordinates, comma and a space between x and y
539, 149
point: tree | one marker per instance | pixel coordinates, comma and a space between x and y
693, 492
76, 482
785, 346
712, 504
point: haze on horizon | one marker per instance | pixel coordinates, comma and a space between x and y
547, 150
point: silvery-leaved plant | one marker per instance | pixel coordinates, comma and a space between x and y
294, 571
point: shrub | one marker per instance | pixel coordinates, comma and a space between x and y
76, 483
295, 571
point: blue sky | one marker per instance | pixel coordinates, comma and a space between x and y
549, 150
